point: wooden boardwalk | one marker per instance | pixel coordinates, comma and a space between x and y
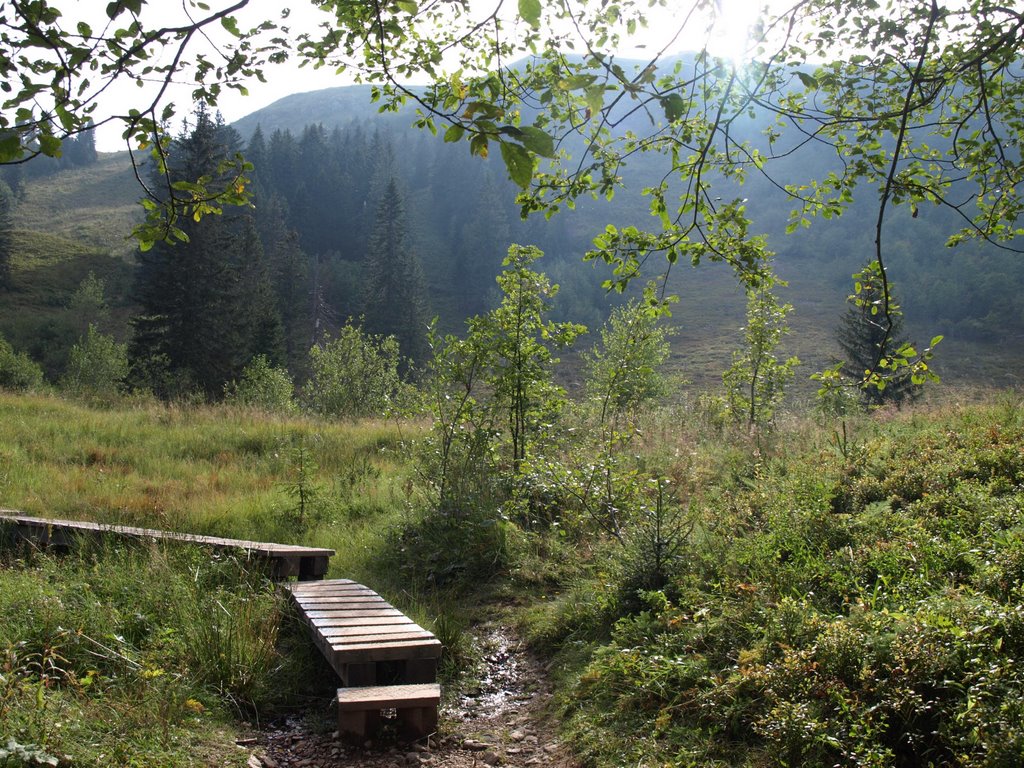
286, 560
364, 638
384, 659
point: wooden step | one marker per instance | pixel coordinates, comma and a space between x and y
359, 709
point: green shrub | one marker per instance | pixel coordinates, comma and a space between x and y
98, 366
461, 552
263, 387
355, 374
18, 371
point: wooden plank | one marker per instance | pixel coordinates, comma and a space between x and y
301, 588
339, 640
362, 613
389, 697
355, 605
354, 597
328, 586
260, 547
373, 625
389, 651
352, 607
387, 632
322, 622
338, 599
341, 595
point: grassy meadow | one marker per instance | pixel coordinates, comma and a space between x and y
834, 592
213, 471
135, 655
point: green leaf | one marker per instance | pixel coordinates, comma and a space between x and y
674, 106
478, 145
49, 145
408, 6
518, 162
454, 134
936, 340
807, 80
538, 141
10, 147
231, 25
529, 11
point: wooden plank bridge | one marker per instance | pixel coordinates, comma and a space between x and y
385, 660
286, 560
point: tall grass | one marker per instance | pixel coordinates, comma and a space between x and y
139, 655
216, 471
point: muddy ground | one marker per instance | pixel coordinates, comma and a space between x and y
501, 719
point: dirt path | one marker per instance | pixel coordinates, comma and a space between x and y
501, 721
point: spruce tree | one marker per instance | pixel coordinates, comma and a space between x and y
207, 307
483, 238
290, 274
394, 301
6, 244
864, 338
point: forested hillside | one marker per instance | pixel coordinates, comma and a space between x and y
359, 215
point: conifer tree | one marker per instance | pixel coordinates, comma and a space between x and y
865, 339
6, 245
483, 238
289, 272
394, 299
207, 307
257, 153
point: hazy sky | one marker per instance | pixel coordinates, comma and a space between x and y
727, 38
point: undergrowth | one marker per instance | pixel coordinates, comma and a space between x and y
130, 655
854, 607
813, 595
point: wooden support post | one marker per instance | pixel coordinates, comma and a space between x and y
358, 724
416, 723
360, 675
420, 671
416, 705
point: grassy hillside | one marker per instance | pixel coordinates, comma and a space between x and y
96, 206
66, 226
210, 471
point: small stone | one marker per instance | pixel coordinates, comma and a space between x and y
534, 761
475, 746
491, 758
269, 762
412, 758
513, 751
549, 748
253, 762
517, 736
